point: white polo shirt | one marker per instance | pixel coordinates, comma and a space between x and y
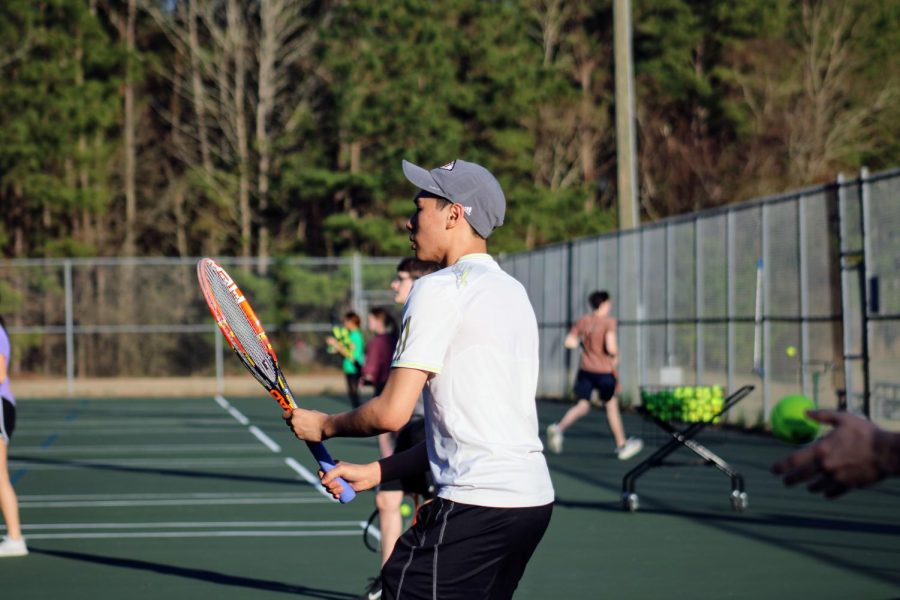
472, 325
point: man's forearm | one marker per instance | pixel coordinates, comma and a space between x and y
388, 412
361, 422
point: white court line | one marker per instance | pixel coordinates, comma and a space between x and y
221, 401
308, 476
373, 531
192, 534
193, 525
238, 415
161, 496
269, 442
305, 473
166, 463
138, 423
144, 449
315, 499
181, 429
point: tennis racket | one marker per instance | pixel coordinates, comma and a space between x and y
245, 335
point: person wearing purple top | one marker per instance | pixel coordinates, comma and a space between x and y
13, 543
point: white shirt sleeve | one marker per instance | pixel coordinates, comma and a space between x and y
430, 321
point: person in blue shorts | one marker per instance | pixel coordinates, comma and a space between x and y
13, 543
595, 332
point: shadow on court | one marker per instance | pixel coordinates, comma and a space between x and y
192, 474
198, 574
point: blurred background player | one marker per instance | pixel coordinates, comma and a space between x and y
596, 333
379, 348
389, 497
352, 347
13, 543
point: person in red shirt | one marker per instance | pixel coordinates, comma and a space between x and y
596, 333
379, 349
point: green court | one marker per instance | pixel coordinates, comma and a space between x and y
205, 497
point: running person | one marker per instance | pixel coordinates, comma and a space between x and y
13, 543
469, 333
596, 333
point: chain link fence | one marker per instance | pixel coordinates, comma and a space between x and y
89, 323
798, 293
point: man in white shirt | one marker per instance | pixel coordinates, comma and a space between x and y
470, 334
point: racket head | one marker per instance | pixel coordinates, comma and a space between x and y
242, 329
245, 334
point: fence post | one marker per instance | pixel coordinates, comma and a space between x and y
804, 294
568, 294
849, 383
699, 330
766, 305
729, 295
356, 286
668, 286
865, 277
70, 329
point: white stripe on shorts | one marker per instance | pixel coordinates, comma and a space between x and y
3, 434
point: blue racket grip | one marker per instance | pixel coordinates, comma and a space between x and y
327, 463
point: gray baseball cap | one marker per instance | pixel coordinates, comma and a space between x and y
467, 184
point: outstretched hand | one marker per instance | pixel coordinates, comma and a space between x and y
847, 457
359, 477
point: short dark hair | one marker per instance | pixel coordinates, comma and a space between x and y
597, 298
417, 268
352, 317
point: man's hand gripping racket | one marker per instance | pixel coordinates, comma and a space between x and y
245, 335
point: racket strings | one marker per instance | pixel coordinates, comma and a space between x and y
239, 322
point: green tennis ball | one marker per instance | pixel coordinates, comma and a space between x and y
405, 510
789, 421
791, 351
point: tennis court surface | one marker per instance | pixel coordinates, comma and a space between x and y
209, 497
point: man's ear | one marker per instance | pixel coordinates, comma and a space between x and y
455, 215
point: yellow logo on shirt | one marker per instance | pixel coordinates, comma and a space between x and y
462, 276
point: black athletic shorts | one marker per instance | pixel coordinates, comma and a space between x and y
586, 382
462, 552
7, 420
411, 434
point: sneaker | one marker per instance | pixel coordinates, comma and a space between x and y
373, 592
554, 438
632, 446
9, 547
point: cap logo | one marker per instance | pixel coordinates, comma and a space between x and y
449, 166
467, 209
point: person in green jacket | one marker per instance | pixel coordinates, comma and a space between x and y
348, 341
